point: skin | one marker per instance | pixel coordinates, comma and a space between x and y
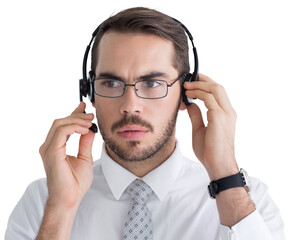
130, 56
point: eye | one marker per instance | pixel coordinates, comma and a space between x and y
151, 83
110, 83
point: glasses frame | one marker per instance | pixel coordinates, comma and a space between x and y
134, 85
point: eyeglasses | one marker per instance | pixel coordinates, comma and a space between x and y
149, 89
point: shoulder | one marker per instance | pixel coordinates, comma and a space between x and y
40, 184
26, 217
37, 189
35, 195
192, 165
193, 176
194, 169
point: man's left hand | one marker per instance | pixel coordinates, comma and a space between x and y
213, 144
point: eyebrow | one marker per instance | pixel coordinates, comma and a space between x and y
144, 77
109, 75
154, 75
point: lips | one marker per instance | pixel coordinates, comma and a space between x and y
132, 132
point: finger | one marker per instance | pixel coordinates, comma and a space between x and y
63, 133
208, 98
195, 116
212, 87
85, 146
204, 78
84, 120
78, 112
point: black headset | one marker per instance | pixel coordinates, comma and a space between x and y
86, 84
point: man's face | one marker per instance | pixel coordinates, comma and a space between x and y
132, 127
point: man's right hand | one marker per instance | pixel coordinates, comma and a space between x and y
68, 177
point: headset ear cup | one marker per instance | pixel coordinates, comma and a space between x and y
83, 89
187, 78
91, 94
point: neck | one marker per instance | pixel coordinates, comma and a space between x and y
140, 169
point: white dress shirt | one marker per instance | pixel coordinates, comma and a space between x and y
181, 207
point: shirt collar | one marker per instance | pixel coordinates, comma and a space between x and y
160, 179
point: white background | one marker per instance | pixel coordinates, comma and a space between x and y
243, 45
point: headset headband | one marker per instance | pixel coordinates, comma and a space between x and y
85, 86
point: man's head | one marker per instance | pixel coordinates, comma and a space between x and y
131, 48
147, 21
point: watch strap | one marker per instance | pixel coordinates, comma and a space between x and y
236, 180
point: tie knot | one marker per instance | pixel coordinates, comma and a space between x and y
139, 191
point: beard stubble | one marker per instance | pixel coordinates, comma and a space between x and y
130, 154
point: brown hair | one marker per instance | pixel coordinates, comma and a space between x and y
148, 21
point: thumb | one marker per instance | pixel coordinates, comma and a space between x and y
85, 146
195, 116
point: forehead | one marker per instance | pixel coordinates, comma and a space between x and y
134, 52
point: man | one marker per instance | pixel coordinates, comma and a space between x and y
142, 187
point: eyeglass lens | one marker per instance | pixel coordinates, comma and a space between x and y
144, 89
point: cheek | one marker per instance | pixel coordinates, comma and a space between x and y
160, 112
105, 115
157, 112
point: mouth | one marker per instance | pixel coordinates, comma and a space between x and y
132, 132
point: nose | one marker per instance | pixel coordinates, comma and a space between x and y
130, 102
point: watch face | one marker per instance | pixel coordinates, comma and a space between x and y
246, 179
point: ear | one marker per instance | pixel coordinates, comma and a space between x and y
93, 104
182, 105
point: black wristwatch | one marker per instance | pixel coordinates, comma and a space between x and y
240, 179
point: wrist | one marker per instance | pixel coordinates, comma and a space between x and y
63, 206
62, 199
240, 179
57, 221
218, 172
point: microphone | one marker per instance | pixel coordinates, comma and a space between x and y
94, 127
